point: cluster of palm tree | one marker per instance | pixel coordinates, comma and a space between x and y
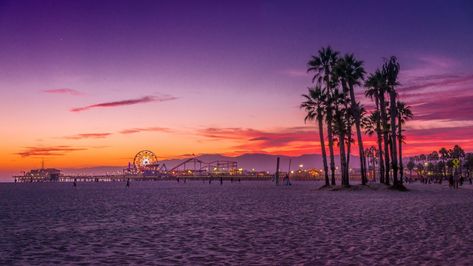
332, 103
440, 165
371, 154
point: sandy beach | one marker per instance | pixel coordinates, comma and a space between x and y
246, 223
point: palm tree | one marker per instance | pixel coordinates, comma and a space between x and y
433, 158
410, 167
349, 140
404, 113
351, 72
444, 156
375, 89
323, 67
340, 128
391, 71
371, 162
314, 106
370, 127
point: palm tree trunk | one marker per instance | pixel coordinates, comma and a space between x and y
392, 95
356, 112
330, 144
324, 153
374, 167
401, 165
385, 137
380, 139
348, 152
343, 162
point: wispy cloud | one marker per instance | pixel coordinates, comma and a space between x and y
145, 99
148, 129
293, 140
63, 91
48, 151
89, 136
442, 81
295, 73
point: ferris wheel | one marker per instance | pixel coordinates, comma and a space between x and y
145, 159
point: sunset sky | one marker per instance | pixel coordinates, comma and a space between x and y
87, 83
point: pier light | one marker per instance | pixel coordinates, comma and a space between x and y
301, 165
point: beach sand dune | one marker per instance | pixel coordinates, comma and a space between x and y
246, 223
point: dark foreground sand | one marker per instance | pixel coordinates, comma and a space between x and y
248, 223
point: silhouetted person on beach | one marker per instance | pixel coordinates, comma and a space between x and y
221, 180
178, 180
286, 180
239, 180
128, 182
75, 183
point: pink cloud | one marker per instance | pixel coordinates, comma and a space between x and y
146, 99
148, 129
48, 151
63, 91
89, 136
284, 141
429, 82
295, 73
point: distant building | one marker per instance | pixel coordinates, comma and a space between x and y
41, 175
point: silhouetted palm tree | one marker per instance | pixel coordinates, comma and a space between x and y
350, 72
444, 156
341, 128
410, 167
323, 67
391, 71
376, 88
404, 113
314, 106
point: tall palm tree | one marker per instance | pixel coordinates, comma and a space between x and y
349, 140
323, 67
391, 70
376, 88
404, 113
351, 73
340, 128
410, 167
444, 156
371, 162
314, 106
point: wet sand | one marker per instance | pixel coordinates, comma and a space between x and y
249, 223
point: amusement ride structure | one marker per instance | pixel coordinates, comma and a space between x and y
145, 163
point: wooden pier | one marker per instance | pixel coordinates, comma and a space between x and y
124, 178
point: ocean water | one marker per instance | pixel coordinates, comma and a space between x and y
250, 223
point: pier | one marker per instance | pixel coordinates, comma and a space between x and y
145, 167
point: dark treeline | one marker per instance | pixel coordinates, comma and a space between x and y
331, 103
452, 165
